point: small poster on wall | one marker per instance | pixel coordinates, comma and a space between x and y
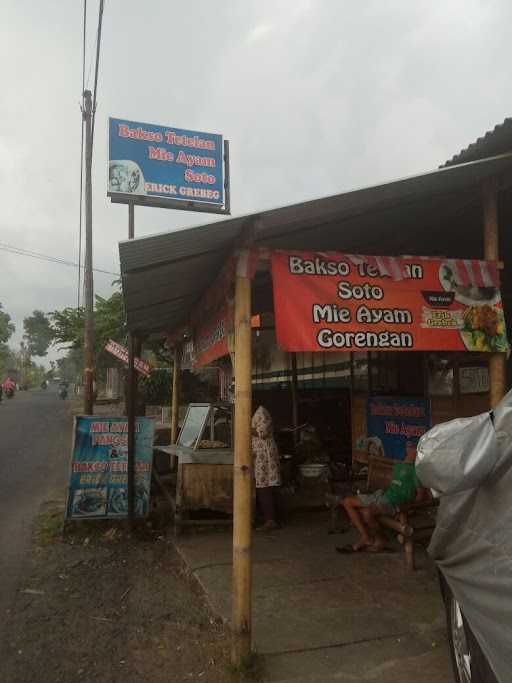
392, 422
474, 379
98, 486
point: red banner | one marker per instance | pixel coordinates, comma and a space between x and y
340, 302
211, 339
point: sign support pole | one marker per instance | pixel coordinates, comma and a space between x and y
227, 180
88, 276
497, 368
242, 474
132, 395
131, 220
175, 398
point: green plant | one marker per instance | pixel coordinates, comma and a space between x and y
156, 389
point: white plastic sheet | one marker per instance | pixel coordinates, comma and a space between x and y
468, 463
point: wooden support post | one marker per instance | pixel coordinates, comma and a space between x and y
408, 545
134, 348
89, 356
242, 473
131, 413
398, 526
295, 398
497, 369
175, 398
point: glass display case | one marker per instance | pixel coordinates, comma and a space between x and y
207, 426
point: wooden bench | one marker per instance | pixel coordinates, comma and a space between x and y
414, 522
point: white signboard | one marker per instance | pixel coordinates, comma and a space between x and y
121, 352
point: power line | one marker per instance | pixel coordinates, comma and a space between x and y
45, 257
96, 69
81, 162
89, 70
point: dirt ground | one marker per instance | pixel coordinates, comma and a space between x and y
99, 605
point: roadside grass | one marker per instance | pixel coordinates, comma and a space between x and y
250, 670
49, 524
138, 617
51, 529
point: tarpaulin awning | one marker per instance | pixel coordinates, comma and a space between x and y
436, 213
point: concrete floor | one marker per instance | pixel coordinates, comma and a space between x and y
319, 616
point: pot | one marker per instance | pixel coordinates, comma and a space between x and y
313, 470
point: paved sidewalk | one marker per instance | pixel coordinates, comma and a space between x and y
321, 616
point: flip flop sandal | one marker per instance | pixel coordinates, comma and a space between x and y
349, 549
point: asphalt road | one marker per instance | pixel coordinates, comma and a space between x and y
35, 441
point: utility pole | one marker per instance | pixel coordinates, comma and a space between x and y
88, 278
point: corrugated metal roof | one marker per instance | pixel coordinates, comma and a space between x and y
494, 142
434, 213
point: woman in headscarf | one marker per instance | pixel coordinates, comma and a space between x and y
267, 473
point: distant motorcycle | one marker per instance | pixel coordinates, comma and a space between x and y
44, 385
9, 392
63, 393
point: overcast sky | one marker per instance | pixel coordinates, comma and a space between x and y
316, 97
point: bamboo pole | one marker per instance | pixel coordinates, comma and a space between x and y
242, 475
497, 368
175, 398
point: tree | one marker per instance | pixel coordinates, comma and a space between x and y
70, 366
50, 374
8, 360
7, 327
38, 333
109, 323
68, 327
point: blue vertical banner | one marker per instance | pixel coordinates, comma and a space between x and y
98, 486
149, 160
392, 422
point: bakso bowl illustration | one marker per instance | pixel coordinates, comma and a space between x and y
468, 294
89, 502
125, 176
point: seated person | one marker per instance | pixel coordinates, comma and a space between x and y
364, 509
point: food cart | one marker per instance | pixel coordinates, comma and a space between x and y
201, 464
